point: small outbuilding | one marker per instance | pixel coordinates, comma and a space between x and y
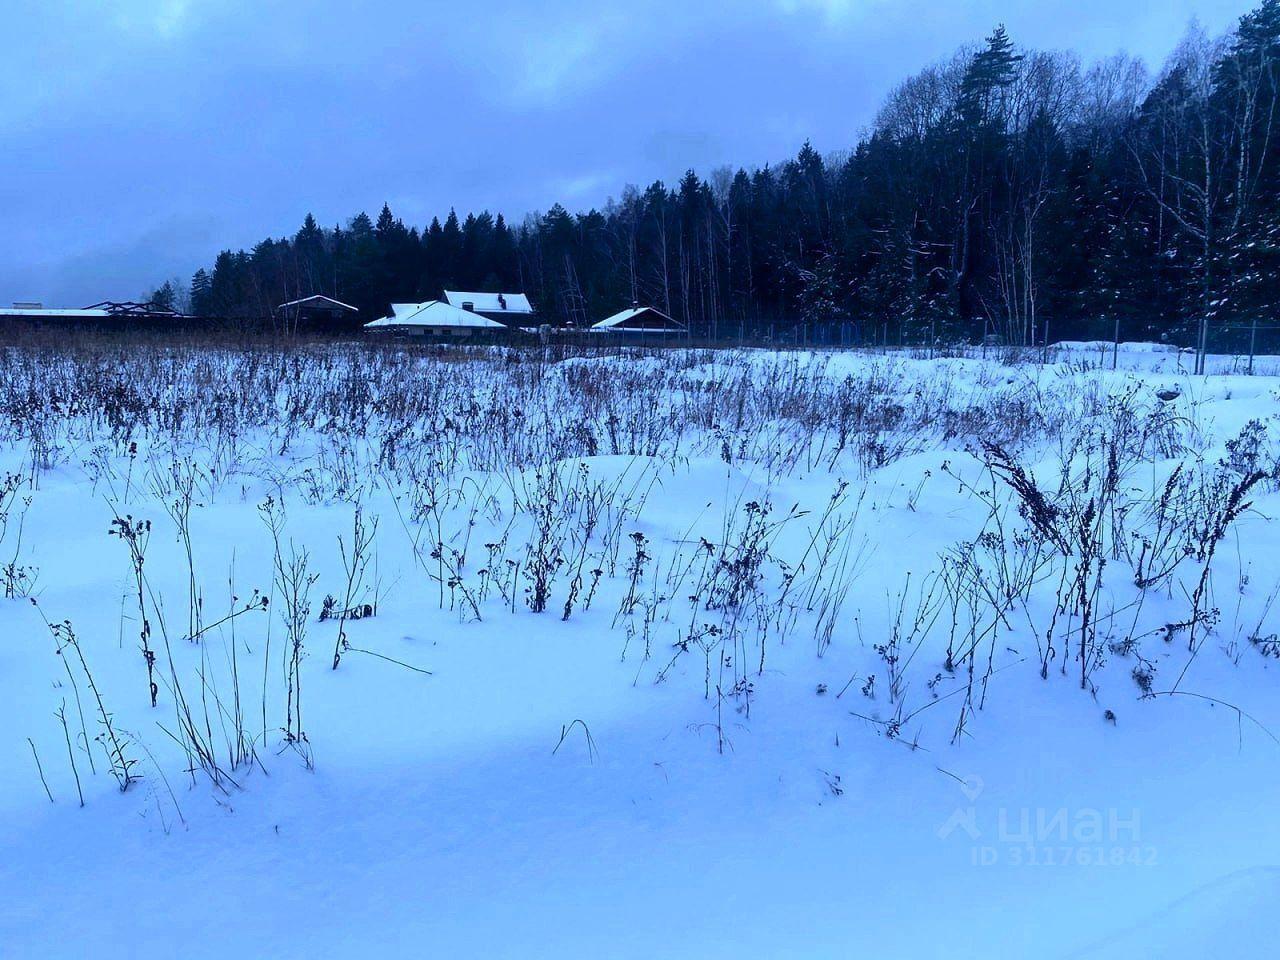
316, 312
640, 320
435, 318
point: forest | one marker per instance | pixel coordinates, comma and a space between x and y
1005, 192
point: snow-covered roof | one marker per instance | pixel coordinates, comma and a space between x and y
113, 309
622, 318
51, 313
433, 313
399, 311
490, 302
318, 300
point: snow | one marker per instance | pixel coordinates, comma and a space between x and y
52, 313
489, 302
552, 787
316, 299
623, 317
617, 318
433, 313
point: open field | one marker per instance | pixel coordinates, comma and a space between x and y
347, 651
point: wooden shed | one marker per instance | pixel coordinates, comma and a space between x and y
640, 320
316, 312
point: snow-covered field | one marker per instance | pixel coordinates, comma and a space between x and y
681, 654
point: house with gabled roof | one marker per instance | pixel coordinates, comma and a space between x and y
440, 320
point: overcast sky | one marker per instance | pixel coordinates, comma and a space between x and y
139, 137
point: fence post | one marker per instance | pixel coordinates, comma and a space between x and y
1253, 339
1202, 348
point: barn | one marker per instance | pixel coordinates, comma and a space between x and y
438, 320
314, 313
508, 309
640, 320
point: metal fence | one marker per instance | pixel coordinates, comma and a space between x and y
1237, 337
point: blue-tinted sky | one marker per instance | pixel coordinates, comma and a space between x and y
137, 137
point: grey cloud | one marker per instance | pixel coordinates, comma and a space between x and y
138, 138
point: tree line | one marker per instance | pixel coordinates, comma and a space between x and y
1005, 192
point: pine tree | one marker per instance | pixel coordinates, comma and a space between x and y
450, 253
164, 297
991, 71
201, 289
386, 223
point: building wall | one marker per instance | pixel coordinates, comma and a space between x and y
509, 319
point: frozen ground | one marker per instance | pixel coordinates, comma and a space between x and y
825, 697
